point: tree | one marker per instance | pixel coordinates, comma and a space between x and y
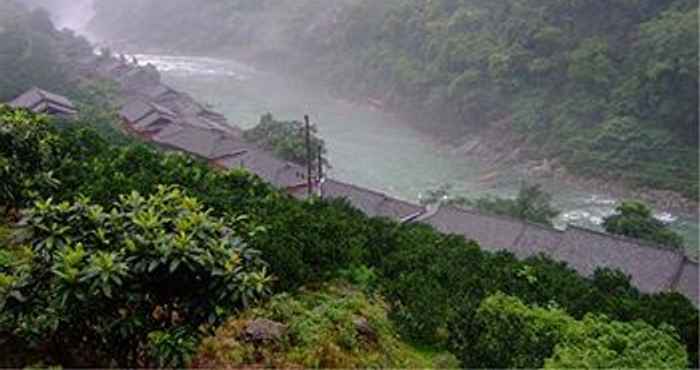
287, 140
636, 220
120, 285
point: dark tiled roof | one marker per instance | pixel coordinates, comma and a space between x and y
536, 240
687, 283
651, 269
41, 101
142, 116
228, 146
194, 140
491, 232
279, 173
372, 203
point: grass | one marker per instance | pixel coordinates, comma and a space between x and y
323, 329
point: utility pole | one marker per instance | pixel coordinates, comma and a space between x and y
320, 163
309, 180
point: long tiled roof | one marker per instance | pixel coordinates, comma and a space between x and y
688, 281
372, 203
652, 268
491, 232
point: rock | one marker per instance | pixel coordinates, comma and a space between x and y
364, 329
264, 330
544, 169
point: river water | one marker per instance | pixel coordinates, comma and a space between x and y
371, 148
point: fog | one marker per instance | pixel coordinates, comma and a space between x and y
72, 14
414, 95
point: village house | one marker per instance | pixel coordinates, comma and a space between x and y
146, 119
44, 102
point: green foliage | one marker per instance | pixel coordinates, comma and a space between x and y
433, 282
635, 220
532, 203
287, 140
335, 327
513, 335
102, 284
27, 157
597, 343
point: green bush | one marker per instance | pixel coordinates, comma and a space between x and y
101, 285
635, 220
512, 335
27, 157
597, 343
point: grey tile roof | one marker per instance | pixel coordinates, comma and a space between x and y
493, 233
41, 101
143, 116
277, 172
372, 203
536, 240
652, 269
228, 146
135, 110
687, 283
194, 140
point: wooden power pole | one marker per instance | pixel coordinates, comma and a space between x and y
309, 160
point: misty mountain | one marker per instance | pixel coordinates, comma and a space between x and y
603, 88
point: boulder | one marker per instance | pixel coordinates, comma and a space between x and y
264, 330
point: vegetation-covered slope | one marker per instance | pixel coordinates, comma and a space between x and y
607, 88
72, 260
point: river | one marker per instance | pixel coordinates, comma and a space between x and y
371, 148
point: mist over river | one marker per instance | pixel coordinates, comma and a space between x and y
371, 148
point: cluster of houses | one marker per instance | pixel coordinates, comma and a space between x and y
172, 120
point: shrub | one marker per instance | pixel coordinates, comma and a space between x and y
635, 220
596, 343
335, 327
104, 286
509, 334
26, 157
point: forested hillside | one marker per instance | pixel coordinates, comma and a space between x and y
609, 89
34, 53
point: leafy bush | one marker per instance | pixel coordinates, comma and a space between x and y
336, 327
512, 335
26, 157
596, 343
104, 286
635, 219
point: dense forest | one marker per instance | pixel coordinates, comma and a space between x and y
608, 89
